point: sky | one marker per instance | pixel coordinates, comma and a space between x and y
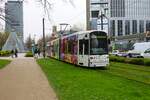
61, 12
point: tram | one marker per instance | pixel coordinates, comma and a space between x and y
85, 48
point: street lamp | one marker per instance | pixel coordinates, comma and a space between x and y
43, 22
44, 42
102, 17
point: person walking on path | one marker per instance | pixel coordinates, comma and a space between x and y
12, 53
39, 52
16, 53
36, 53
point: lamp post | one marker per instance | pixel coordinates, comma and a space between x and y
101, 16
43, 22
44, 44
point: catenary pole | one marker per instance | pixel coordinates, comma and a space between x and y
101, 20
44, 44
43, 21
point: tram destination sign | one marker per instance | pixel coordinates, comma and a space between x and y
100, 37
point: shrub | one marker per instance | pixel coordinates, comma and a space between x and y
147, 62
117, 59
5, 53
113, 58
121, 59
127, 60
136, 61
29, 54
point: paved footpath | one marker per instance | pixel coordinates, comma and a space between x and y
23, 79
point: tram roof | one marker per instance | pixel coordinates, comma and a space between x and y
76, 33
81, 32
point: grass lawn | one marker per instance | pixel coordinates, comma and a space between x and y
3, 63
119, 82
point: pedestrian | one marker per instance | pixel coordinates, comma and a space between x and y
16, 53
39, 52
35, 53
12, 53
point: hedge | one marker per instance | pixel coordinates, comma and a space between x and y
136, 61
5, 53
29, 54
116, 59
147, 62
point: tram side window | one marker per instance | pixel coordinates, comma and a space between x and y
69, 46
66, 48
86, 47
80, 47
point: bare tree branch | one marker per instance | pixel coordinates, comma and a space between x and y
72, 3
47, 6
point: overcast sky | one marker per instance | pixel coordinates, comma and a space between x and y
61, 12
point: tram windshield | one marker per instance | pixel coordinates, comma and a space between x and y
98, 44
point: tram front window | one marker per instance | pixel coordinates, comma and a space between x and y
98, 45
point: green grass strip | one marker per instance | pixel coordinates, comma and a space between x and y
3, 63
76, 83
129, 71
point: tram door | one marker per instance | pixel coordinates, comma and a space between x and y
83, 52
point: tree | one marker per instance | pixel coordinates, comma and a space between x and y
47, 5
40, 41
3, 38
28, 42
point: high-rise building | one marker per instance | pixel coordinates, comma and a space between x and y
14, 17
128, 19
94, 10
14, 25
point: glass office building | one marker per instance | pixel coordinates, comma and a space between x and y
126, 17
14, 17
96, 8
